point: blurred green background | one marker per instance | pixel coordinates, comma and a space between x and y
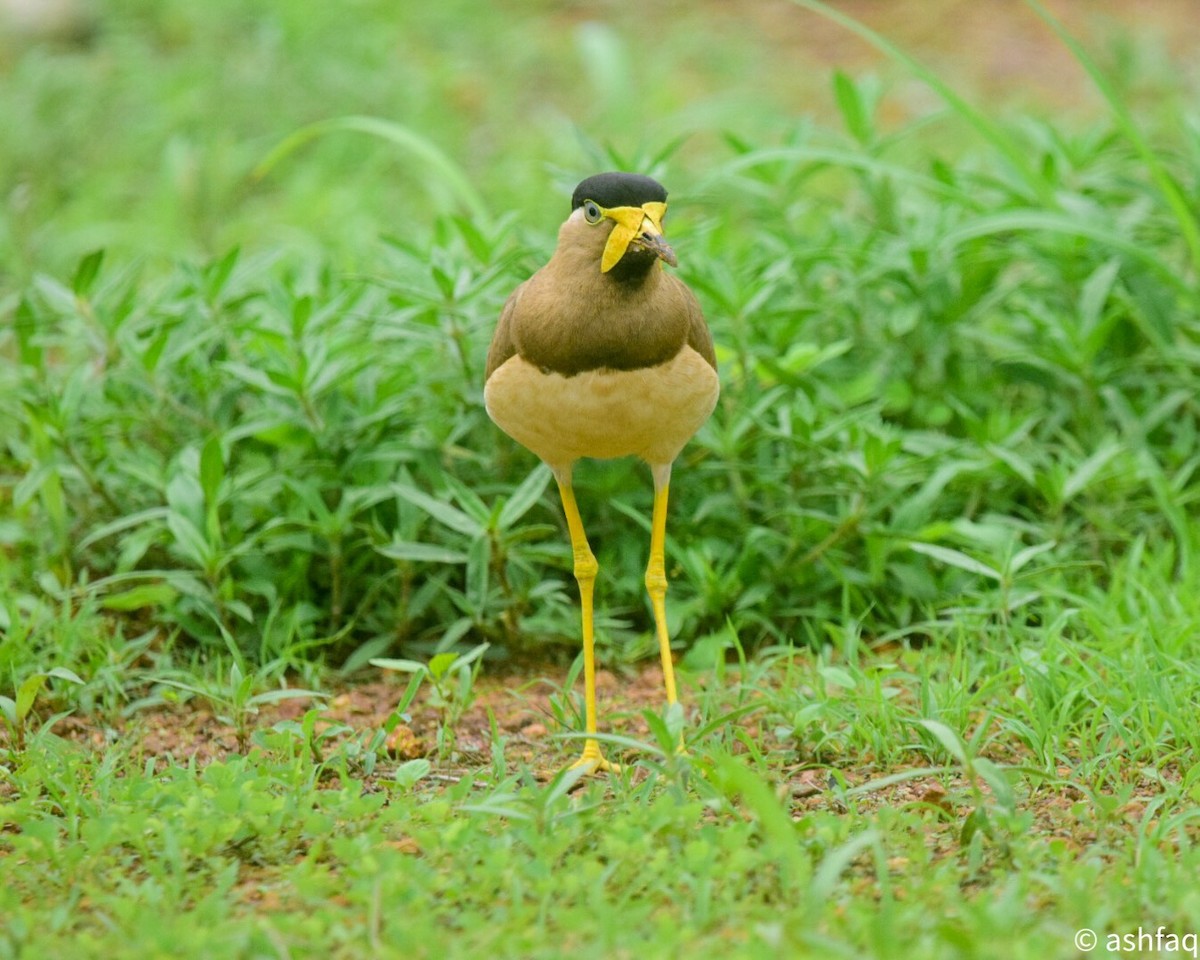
137, 125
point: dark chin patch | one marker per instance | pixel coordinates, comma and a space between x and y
634, 266
619, 190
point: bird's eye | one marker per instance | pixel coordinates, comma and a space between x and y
591, 212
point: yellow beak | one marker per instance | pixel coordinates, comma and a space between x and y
641, 225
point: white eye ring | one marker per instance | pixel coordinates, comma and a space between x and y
592, 212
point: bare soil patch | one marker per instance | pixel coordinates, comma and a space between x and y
519, 704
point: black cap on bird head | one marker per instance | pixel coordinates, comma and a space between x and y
619, 190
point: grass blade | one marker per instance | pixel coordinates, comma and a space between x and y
956, 558
420, 147
524, 497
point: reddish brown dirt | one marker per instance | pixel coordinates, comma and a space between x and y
520, 706
1057, 810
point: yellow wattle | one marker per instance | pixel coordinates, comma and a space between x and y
627, 224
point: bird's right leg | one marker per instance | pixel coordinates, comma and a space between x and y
586, 569
656, 579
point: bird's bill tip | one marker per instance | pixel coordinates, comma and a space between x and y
656, 243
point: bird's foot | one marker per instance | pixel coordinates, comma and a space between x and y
594, 760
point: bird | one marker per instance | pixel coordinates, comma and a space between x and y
602, 353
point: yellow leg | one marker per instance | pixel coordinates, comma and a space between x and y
656, 576
586, 569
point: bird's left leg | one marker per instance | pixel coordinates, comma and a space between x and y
656, 574
586, 569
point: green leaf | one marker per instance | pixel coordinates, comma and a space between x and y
258, 379
854, 111
1015, 462
525, 496
404, 666
140, 597
212, 469
441, 664
1095, 292
1022, 557
410, 692
667, 727
445, 514
290, 693
189, 540
469, 500
975, 822
219, 273
54, 500
302, 310
408, 774
1082, 476
956, 558
420, 552
183, 491
562, 784
26, 324
948, 738
123, 523
838, 677
27, 693
455, 631
477, 651
479, 575
86, 273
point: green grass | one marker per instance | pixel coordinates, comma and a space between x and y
1068, 799
934, 559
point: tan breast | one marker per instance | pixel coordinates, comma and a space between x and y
649, 413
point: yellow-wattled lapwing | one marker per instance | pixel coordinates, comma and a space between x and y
602, 353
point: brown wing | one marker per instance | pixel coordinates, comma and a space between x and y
535, 335
699, 337
503, 346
